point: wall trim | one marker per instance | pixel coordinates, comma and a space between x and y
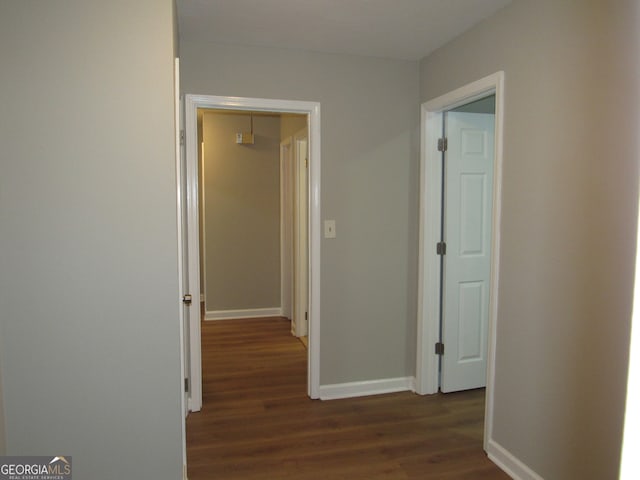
247, 313
510, 464
368, 387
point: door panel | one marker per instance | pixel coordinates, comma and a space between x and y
470, 321
472, 231
467, 263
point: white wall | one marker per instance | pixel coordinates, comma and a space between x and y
89, 342
370, 114
570, 192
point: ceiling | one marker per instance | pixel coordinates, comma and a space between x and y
401, 29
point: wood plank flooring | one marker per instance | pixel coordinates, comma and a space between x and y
258, 423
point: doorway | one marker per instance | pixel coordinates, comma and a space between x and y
244, 203
312, 111
433, 275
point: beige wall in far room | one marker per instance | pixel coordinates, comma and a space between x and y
241, 212
290, 124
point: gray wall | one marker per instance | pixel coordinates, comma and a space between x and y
88, 260
242, 212
370, 115
3, 443
569, 222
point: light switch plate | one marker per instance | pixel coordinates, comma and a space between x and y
329, 229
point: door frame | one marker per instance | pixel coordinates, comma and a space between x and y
312, 110
430, 212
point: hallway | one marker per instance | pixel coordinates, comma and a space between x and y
258, 423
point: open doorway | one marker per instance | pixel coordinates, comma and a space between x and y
459, 223
246, 256
244, 110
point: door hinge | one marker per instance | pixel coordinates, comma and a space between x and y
181, 137
443, 143
441, 248
306, 163
306, 315
186, 385
439, 348
187, 299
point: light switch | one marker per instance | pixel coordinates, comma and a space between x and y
329, 229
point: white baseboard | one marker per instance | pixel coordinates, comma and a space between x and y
370, 387
249, 313
510, 464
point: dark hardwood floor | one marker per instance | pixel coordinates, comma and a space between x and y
258, 423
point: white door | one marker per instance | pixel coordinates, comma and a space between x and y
183, 274
467, 262
186, 305
189, 200
301, 244
286, 228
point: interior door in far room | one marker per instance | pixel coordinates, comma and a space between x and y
467, 222
287, 292
301, 242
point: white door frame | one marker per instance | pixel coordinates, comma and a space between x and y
312, 110
430, 212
